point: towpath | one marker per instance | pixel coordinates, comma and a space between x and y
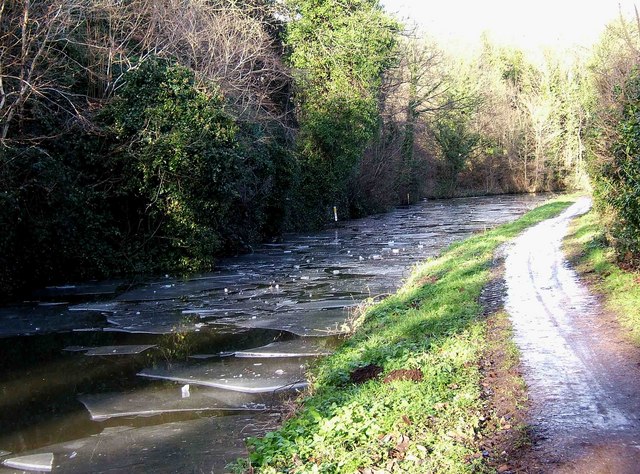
583, 377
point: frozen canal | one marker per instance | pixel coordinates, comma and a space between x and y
171, 375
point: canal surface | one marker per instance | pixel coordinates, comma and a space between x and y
171, 375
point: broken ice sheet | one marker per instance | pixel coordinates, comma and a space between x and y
41, 462
174, 289
311, 323
154, 400
130, 349
88, 289
100, 307
151, 322
324, 304
25, 320
300, 347
76, 349
201, 445
237, 374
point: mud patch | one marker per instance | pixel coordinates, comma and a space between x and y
362, 374
493, 294
506, 432
414, 375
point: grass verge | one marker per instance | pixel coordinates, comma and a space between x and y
393, 422
587, 248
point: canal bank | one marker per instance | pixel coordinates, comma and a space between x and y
410, 390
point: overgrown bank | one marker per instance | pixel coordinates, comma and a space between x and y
596, 261
405, 391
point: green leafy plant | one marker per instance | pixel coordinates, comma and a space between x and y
338, 51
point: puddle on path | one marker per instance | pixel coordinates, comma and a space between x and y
583, 380
117, 408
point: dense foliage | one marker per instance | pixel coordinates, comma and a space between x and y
338, 51
614, 140
127, 147
202, 181
171, 180
618, 179
143, 136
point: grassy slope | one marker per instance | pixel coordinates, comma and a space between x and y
434, 324
587, 248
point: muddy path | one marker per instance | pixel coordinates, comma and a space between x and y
583, 377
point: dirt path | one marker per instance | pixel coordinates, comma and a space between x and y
583, 379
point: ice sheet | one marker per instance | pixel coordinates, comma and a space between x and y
237, 374
300, 347
41, 462
200, 445
305, 324
129, 349
154, 400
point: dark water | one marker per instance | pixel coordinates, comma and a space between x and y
173, 374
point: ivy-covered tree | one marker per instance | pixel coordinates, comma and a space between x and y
338, 51
614, 141
203, 182
457, 142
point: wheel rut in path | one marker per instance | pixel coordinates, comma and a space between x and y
583, 377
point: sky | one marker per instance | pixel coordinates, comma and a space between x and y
528, 24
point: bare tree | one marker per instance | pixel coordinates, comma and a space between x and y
45, 45
30, 58
415, 89
227, 42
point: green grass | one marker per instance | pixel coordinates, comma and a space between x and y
587, 247
433, 323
